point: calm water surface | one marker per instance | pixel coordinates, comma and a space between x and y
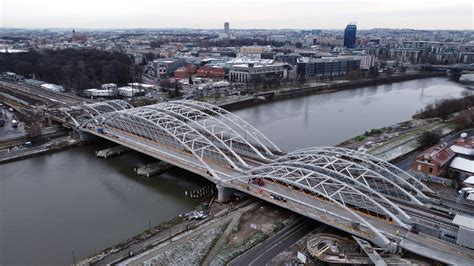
329, 119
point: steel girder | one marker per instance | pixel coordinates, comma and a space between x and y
322, 185
236, 122
354, 170
163, 128
397, 175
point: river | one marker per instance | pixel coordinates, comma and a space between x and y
70, 201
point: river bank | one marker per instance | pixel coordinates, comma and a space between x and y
241, 103
318, 88
55, 145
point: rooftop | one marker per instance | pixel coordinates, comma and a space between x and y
462, 150
462, 164
464, 221
440, 154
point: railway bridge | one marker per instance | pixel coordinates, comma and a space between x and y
350, 190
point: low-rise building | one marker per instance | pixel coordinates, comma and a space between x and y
96, 93
255, 72
464, 147
434, 161
128, 91
461, 168
211, 72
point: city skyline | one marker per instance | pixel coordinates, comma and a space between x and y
244, 14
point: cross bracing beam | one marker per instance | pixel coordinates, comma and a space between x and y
389, 208
353, 201
217, 126
363, 187
166, 129
99, 108
209, 132
397, 175
358, 171
251, 133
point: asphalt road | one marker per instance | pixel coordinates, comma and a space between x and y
267, 250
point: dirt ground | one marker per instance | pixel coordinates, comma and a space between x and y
253, 227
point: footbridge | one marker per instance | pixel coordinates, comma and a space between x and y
350, 190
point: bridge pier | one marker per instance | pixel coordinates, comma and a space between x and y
81, 135
224, 193
454, 74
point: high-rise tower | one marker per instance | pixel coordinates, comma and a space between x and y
350, 35
226, 28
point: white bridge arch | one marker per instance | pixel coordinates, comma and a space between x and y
225, 149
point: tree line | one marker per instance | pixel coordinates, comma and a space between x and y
445, 107
72, 68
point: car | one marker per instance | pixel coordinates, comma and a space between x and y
28, 144
278, 197
10, 109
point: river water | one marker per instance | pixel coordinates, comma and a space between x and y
70, 201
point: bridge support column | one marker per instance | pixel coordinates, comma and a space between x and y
223, 193
81, 135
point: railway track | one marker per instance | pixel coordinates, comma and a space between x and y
46, 96
428, 216
453, 205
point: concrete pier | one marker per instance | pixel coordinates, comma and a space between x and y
112, 151
224, 193
153, 169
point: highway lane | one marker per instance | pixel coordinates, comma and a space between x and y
267, 250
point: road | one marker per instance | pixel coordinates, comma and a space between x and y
267, 250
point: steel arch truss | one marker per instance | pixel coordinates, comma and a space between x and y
386, 169
309, 187
363, 174
223, 134
100, 108
161, 126
250, 133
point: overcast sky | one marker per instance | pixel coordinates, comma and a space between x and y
304, 14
